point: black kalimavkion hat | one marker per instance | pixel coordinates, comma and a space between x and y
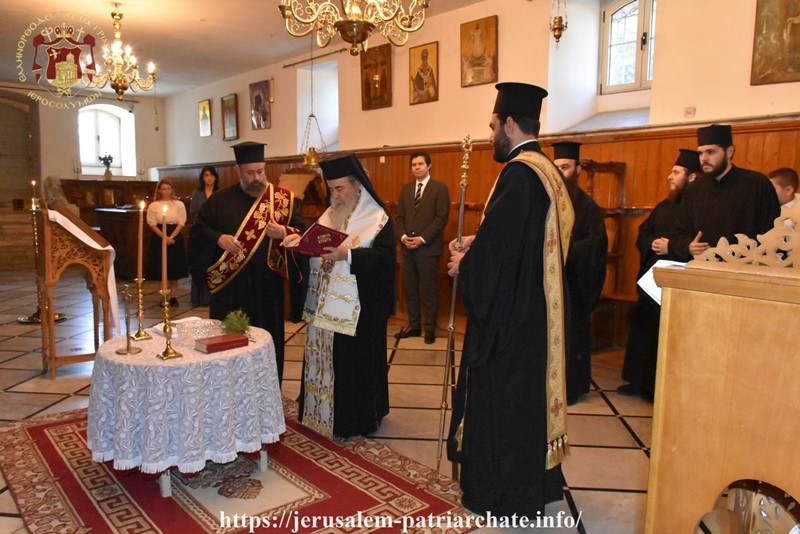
567, 150
689, 159
249, 152
715, 134
519, 99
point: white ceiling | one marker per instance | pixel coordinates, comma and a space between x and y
192, 42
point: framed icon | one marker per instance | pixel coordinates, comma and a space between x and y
423, 66
776, 43
230, 118
376, 77
260, 113
479, 52
204, 116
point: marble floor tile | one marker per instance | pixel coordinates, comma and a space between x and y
598, 430
611, 512
415, 396
607, 468
72, 402
12, 525
16, 406
643, 427
17, 329
31, 361
69, 379
292, 369
6, 355
421, 357
290, 388
21, 344
630, 405
293, 353
12, 377
416, 374
408, 423
591, 403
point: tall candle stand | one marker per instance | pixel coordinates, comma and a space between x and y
128, 349
169, 352
36, 317
140, 334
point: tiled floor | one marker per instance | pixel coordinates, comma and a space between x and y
610, 434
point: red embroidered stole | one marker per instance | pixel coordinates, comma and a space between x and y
275, 202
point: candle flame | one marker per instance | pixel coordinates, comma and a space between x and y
164, 209
141, 205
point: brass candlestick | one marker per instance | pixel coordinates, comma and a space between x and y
169, 352
126, 296
36, 317
140, 334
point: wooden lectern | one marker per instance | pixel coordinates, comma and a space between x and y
728, 380
57, 249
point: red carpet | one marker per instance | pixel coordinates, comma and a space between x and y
358, 486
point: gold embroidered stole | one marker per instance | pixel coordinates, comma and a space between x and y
558, 227
275, 202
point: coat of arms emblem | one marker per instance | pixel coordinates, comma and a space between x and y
62, 56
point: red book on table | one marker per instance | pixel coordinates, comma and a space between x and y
221, 342
317, 238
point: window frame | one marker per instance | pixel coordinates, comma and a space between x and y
125, 163
645, 19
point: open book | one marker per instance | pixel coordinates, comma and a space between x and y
317, 238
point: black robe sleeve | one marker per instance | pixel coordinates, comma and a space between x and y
297, 269
374, 269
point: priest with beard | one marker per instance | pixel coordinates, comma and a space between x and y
724, 201
236, 241
585, 270
653, 244
508, 428
351, 294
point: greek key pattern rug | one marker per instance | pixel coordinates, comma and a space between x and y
313, 484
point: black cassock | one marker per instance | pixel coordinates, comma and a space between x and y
743, 202
503, 398
256, 290
585, 272
361, 384
642, 348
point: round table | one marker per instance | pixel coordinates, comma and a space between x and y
153, 414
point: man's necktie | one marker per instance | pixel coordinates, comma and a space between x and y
418, 195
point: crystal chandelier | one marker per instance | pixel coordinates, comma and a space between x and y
122, 67
354, 22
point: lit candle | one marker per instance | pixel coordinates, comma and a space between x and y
33, 187
164, 249
141, 240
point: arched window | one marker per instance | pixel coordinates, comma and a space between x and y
107, 130
628, 46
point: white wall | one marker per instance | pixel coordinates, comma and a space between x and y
703, 60
523, 42
325, 105
184, 144
573, 68
524, 39
58, 129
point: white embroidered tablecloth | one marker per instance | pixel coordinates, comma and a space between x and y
154, 414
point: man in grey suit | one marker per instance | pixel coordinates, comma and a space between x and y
422, 212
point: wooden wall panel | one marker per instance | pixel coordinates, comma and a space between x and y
648, 153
